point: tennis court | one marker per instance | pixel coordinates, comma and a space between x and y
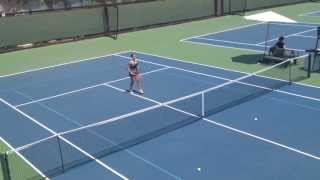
194, 121
261, 36
219, 103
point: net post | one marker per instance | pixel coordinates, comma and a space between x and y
222, 7
202, 105
115, 29
107, 20
61, 156
266, 39
117, 23
215, 7
5, 166
290, 70
309, 65
245, 7
111, 14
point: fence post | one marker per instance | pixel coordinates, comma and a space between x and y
5, 166
309, 65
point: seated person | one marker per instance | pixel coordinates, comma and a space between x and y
278, 50
279, 53
280, 43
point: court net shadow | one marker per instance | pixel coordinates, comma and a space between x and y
248, 58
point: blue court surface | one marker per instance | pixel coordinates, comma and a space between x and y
161, 135
261, 36
314, 14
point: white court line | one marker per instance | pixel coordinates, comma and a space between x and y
180, 69
159, 104
165, 67
84, 89
289, 35
180, 60
290, 103
65, 140
231, 80
34, 143
249, 134
167, 104
292, 149
301, 23
242, 27
134, 94
227, 69
113, 119
188, 62
230, 29
313, 37
24, 159
62, 64
47, 98
59, 95
240, 43
198, 43
232, 42
310, 14
298, 24
100, 136
263, 139
246, 26
216, 67
223, 46
189, 40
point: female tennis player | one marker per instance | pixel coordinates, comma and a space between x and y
134, 75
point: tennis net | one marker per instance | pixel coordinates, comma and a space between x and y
53, 156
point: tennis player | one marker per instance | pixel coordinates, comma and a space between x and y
134, 75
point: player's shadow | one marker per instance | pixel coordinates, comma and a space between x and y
248, 58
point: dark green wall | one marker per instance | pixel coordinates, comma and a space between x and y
48, 26
137, 15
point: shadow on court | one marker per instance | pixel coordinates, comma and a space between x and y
248, 58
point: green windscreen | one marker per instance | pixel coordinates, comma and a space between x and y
48, 26
152, 13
